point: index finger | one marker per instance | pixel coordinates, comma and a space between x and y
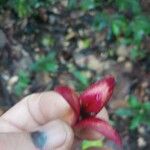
35, 110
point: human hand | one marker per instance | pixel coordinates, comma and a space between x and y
41, 121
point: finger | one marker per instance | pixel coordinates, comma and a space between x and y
35, 110
92, 134
52, 136
103, 114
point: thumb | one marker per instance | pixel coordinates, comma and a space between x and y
55, 135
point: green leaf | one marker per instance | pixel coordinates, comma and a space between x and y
125, 41
47, 41
72, 3
22, 83
81, 77
101, 21
136, 121
25, 8
115, 28
46, 63
146, 106
89, 144
140, 27
119, 24
133, 102
138, 36
124, 112
82, 80
22, 7
146, 121
135, 53
87, 4
140, 23
128, 5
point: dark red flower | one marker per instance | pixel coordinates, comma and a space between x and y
87, 104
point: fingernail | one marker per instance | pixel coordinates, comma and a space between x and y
39, 139
51, 136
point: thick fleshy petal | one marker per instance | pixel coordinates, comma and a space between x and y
98, 125
71, 97
97, 95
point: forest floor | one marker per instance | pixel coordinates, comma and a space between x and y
77, 47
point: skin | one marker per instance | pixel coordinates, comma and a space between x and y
41, 121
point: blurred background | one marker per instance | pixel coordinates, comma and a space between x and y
44, 43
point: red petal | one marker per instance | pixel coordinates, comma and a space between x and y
98, 125
97, 95
71, 97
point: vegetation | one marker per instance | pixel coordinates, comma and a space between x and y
137, 111
124, 23
23, 82
46, 63
88, 144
